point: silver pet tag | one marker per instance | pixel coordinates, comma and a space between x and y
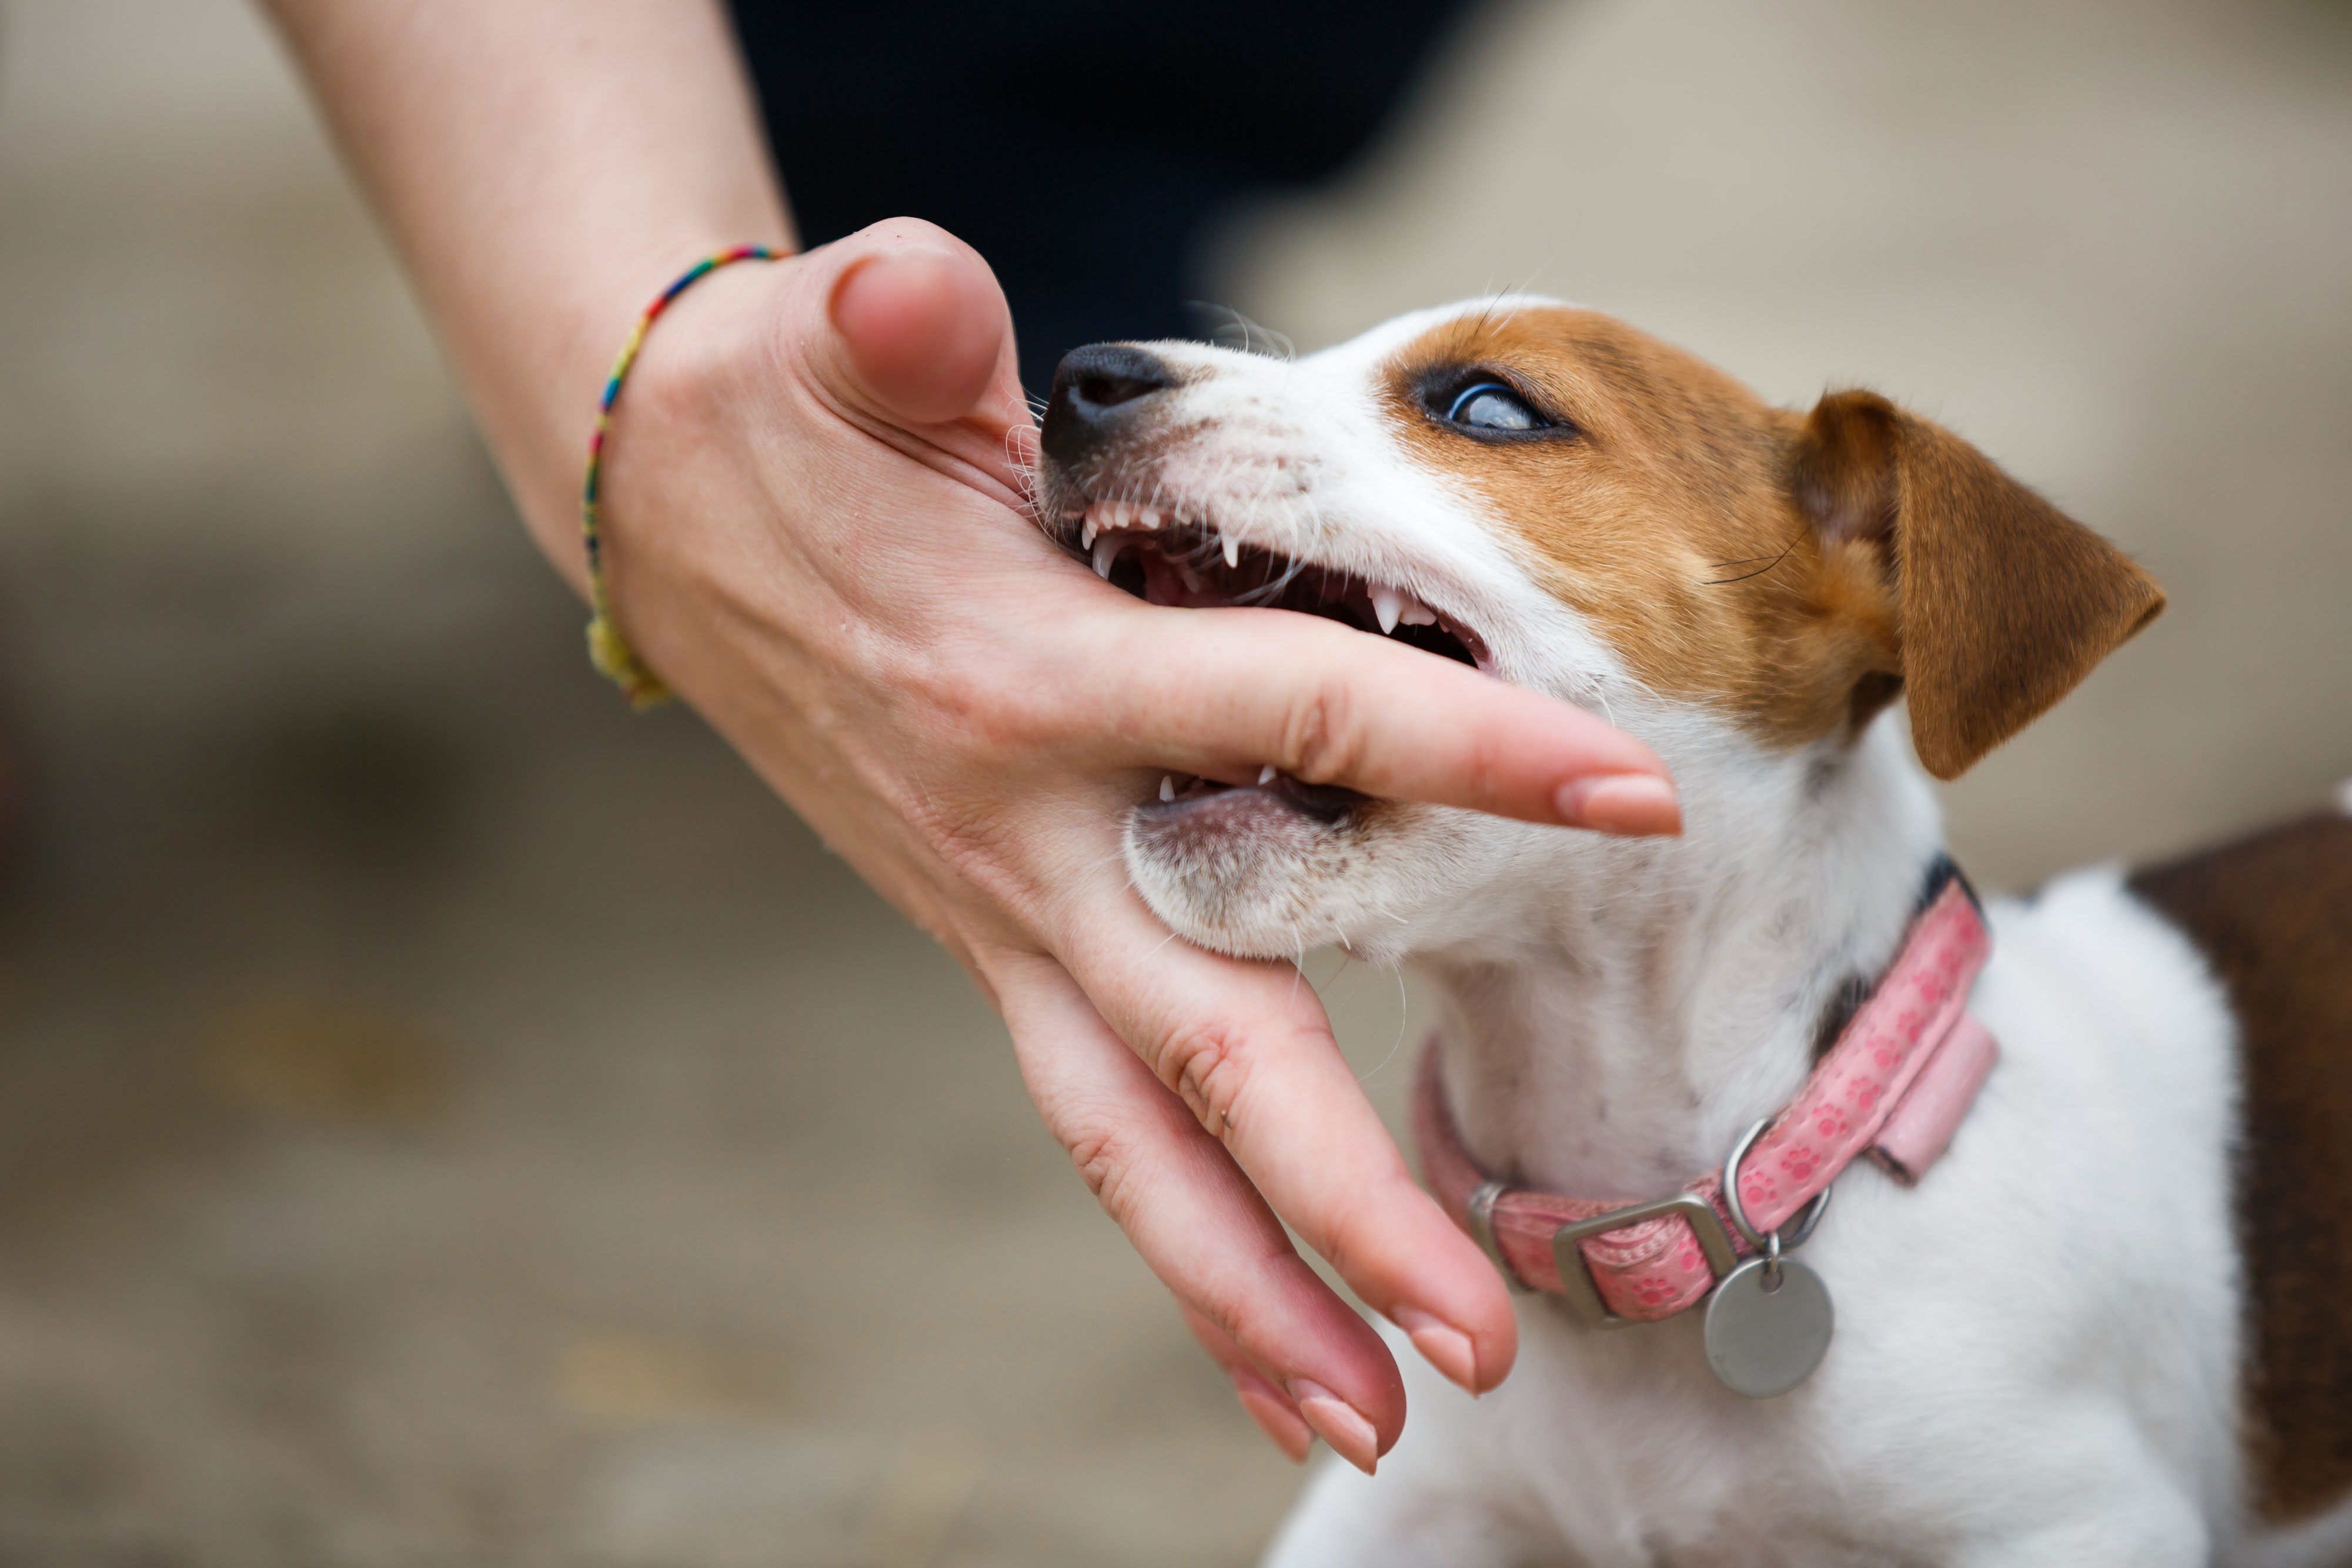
1765, 1336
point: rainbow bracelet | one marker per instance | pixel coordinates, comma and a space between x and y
607, 649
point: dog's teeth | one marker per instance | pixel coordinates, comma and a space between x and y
1106, 550
1265, 774
1167, 787
1087, 535
1233, 551
1146, 518
1397, 608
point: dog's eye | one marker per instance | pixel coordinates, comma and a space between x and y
1490, 405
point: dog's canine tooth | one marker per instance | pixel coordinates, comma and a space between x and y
1087, 535
1388, 604
1167, 787
1233, 551
1106, 550
1265, 774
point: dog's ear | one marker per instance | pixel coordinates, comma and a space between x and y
2004, 602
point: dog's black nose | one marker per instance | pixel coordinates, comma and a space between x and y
1098, 391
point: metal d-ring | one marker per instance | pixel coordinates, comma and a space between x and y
1480, 1213
1806, 1218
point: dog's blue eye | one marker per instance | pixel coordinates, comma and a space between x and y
1490, 405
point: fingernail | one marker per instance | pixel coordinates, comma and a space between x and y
1337, 1423
1442, 1345
1274, 1415
1634, 804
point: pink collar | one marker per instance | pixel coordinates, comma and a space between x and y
1903, 1072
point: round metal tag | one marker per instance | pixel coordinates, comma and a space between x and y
1765, 1341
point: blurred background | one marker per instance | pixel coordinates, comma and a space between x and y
445, 1119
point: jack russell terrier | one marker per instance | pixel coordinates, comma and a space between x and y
2085, 1296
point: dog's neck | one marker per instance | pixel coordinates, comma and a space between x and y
1675, 993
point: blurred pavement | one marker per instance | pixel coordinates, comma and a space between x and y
446, 1120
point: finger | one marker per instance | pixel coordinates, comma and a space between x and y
902, 328
1330, 705
1276, 1413
1193, 1217
923, 326
1247, 1049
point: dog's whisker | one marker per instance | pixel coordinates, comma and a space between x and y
1404, 1021
1785, 551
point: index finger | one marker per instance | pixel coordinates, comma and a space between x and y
1249, 1050
1232, 691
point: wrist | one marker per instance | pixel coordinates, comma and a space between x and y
541, 422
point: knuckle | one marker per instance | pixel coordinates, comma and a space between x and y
1206, 1065
1106, 1162
1225, 1307
962, 695
974, 698
1322, 739
976, 844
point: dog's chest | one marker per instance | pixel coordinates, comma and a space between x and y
2061, 1292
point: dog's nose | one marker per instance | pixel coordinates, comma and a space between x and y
1100, 391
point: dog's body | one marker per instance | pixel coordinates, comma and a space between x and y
2041, 1350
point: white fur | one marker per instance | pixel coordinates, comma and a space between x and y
2037, 1348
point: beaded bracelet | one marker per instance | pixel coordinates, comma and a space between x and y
607, 649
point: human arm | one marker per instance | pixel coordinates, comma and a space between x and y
813, 507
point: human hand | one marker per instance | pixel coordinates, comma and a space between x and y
813, 508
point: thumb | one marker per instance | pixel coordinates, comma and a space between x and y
920, 332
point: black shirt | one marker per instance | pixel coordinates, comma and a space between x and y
1081, 147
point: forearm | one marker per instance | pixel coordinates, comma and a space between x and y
543, 167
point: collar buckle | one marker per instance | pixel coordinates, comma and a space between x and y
1576, 1281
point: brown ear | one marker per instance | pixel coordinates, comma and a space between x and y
2004, 602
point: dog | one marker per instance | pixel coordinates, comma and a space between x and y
2103, 1312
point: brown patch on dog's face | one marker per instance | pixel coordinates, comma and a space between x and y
2273, 915
1758, 563
1652, 503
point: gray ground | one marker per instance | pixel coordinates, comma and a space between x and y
449, 1121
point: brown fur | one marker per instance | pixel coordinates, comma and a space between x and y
2006, 602
1795, 572
2273, 915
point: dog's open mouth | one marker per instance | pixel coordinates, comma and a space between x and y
1167, 559
1187, 562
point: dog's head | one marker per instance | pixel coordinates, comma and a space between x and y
1570, 505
